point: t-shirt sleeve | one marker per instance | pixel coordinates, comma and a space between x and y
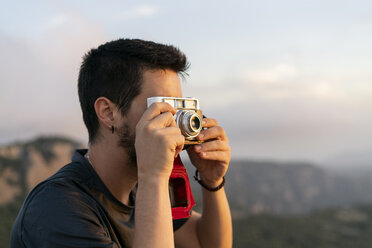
60, 216
178, 223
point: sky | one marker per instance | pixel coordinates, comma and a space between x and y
288, 80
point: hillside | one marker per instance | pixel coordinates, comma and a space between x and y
22, 167
329, 228
261, 193
256, 187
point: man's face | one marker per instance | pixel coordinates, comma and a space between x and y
154, 83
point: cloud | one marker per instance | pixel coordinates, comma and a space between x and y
278, 110
39, 77
57, 21
281, 111
140, 11
286, 83
279, 73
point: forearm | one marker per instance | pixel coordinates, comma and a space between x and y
153, 218
215, 227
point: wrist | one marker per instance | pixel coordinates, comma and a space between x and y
210, 185
152, 179
153, 173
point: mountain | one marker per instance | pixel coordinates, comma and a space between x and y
347, 160
254, 188
327, 228
291, 188
257, 187
22, 167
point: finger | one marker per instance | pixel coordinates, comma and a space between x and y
163, 120
209, 122
216, 155
156, 109
177, 139
170, 131
214, 145
212, 133
172, 135
180, 142
173, 138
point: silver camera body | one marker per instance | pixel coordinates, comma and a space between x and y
188, 117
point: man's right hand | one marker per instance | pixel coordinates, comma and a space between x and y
158, 141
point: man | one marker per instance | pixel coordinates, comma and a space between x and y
116, 194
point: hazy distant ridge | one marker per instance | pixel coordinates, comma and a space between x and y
253, 187
291, 188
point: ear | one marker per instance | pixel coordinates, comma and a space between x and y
106, 111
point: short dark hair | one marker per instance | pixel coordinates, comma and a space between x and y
114, 70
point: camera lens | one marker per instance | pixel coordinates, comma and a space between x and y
189, 122
195, 123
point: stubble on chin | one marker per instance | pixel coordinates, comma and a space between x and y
126, 141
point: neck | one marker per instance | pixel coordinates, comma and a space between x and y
111, 163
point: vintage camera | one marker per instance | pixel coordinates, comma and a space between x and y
189, 120
188, 116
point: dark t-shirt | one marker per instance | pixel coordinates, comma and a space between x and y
74, 208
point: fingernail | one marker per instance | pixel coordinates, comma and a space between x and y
200, 136
204, 122
197, 148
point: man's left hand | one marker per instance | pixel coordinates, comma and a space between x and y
212, 157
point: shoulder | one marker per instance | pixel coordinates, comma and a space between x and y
59, 208
53, 195
57, 199
64, 191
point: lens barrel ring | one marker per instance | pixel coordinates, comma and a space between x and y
189, 122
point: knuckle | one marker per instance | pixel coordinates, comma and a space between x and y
158, 104
220, 143
157, 133
149, 127
155, 105
164, 105
219, 129
178, 131
169, 115
181, 138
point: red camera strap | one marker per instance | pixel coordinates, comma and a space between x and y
181, 190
